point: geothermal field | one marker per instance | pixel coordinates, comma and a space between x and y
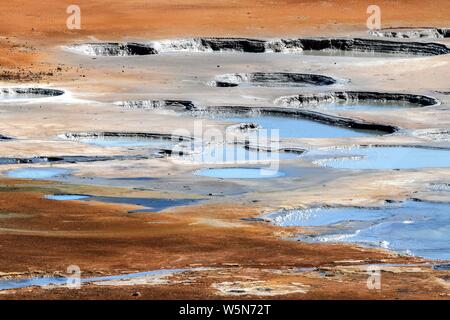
224, 150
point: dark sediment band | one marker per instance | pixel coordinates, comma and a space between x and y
304, 100
157, 104
370, 45
114, 49
272, 79
412, 33
261, 46
310, 115
138, 135
234, 44
65, 159
29, 92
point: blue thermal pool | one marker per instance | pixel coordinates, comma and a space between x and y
383, 158
62, 197
295, 127
413, 227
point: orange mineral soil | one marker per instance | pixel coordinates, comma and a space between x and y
34, 22
43, 237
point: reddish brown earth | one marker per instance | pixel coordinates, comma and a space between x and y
103, 239
158, 18
29, 22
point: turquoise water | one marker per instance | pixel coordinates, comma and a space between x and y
413, 227
239, 173
37, 173
383, 158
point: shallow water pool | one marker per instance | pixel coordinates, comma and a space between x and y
12, 94
149, 204
383, 158
239, 173
412, 227
60, 281
62, 197
37, 173
296, 127
128, 142
231, 153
